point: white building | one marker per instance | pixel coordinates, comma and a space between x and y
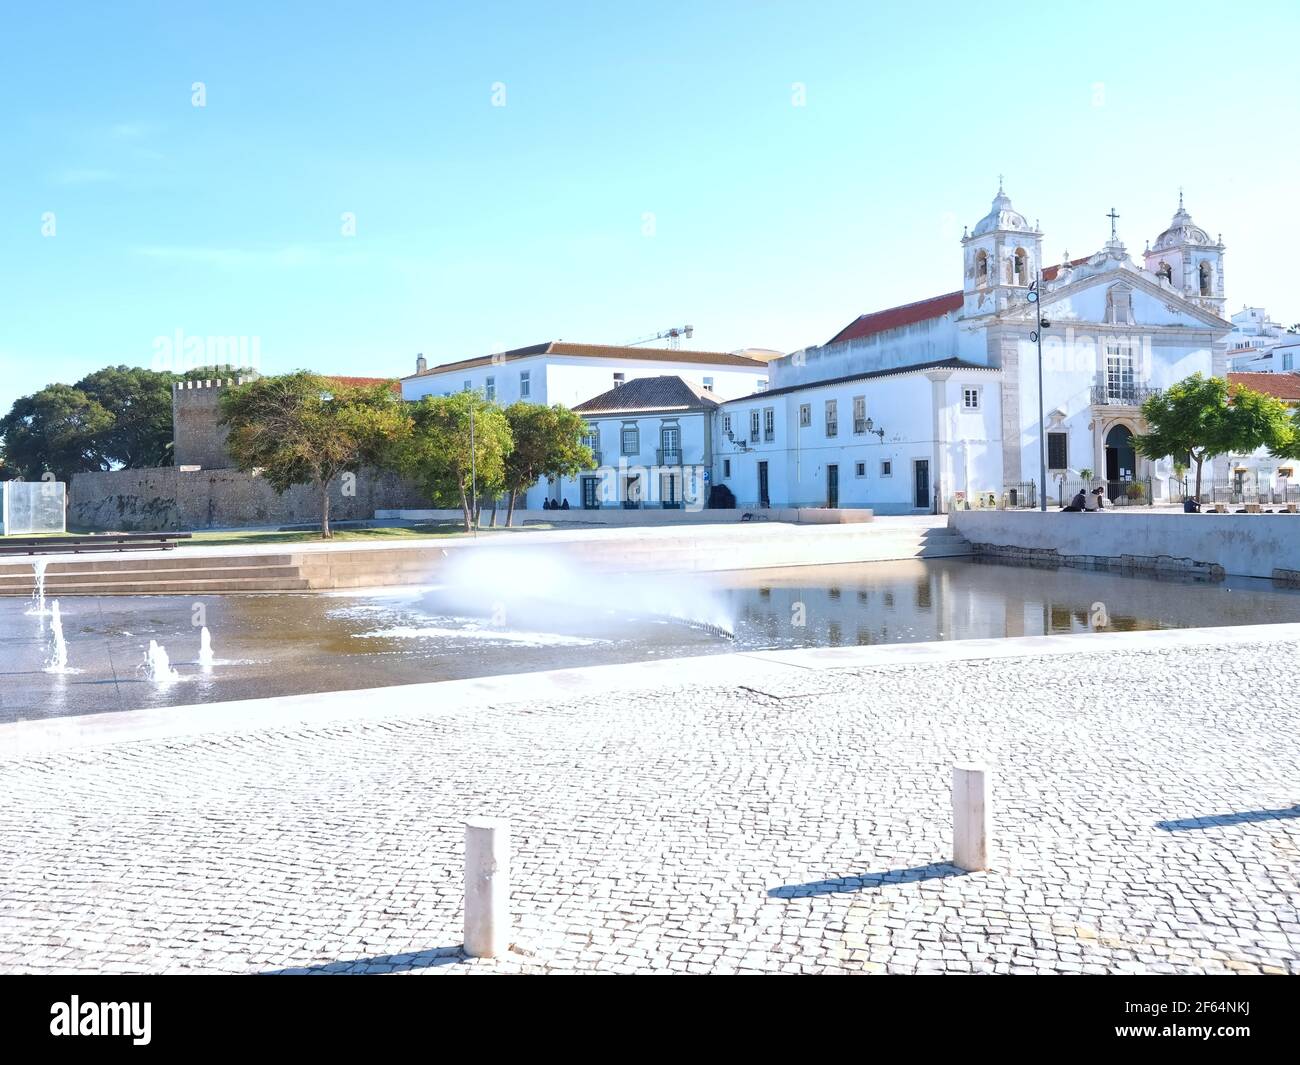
1257, 344
561, 372
953, 380
653, 442
571, 374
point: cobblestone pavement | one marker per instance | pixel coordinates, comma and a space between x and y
1143, 825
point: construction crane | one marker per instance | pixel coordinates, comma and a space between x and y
673, 336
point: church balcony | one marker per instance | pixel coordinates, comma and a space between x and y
1122, 395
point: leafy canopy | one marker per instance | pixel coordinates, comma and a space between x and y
301, 428
58, 430
547, 443
438, 455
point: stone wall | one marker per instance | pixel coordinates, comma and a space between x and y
1209, 545
197, 439
167, 498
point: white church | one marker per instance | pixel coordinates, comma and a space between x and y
913, 409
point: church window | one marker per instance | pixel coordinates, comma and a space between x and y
1206, 278
1119, 305
981, 268
1057, 452
1020, 267
1119, 371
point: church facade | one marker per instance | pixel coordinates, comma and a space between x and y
921, 407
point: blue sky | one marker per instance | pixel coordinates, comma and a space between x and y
481, 227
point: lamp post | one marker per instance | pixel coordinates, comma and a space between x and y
1036, 336
473, 471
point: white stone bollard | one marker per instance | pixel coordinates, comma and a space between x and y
971, 835
487, 886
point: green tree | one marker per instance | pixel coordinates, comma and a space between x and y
1200, 418
57, 430
301, 428
547, 443
439, 457
140, 402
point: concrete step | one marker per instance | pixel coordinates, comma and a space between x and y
213, 586
60, 580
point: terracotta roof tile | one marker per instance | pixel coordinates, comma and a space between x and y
1284, 386
922, 311
598, 351
649, 393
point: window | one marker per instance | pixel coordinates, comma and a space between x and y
753, 427
708, 384
769, 424
726, 467
591, 438
886, 469
619, 379
859, 414
1119, 305
981, 268
859, 469
525, 384
1287, 360
1057, 451
631, 439
491, 390
726, 425
832, 418
469, 385
1119, 370
762, 385
970, 398
670, 444
1207, 278
1020, 267
805, 415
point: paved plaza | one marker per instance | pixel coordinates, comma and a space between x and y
1146, 816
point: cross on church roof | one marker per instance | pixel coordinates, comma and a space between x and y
1113, 217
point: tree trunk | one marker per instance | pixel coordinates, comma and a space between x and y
1199, 459
464, 507
493, 523
510, 509
325, 512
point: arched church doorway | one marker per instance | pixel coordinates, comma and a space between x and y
1121, 460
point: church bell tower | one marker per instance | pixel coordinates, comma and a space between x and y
1002, 255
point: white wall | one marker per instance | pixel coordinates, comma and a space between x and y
574, 379
961, 446
691, 488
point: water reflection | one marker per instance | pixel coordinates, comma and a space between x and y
281, 644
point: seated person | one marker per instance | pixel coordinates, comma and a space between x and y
564, 505
1078, 503
1191, 505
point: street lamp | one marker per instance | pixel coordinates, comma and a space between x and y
1035, 289
875, 432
